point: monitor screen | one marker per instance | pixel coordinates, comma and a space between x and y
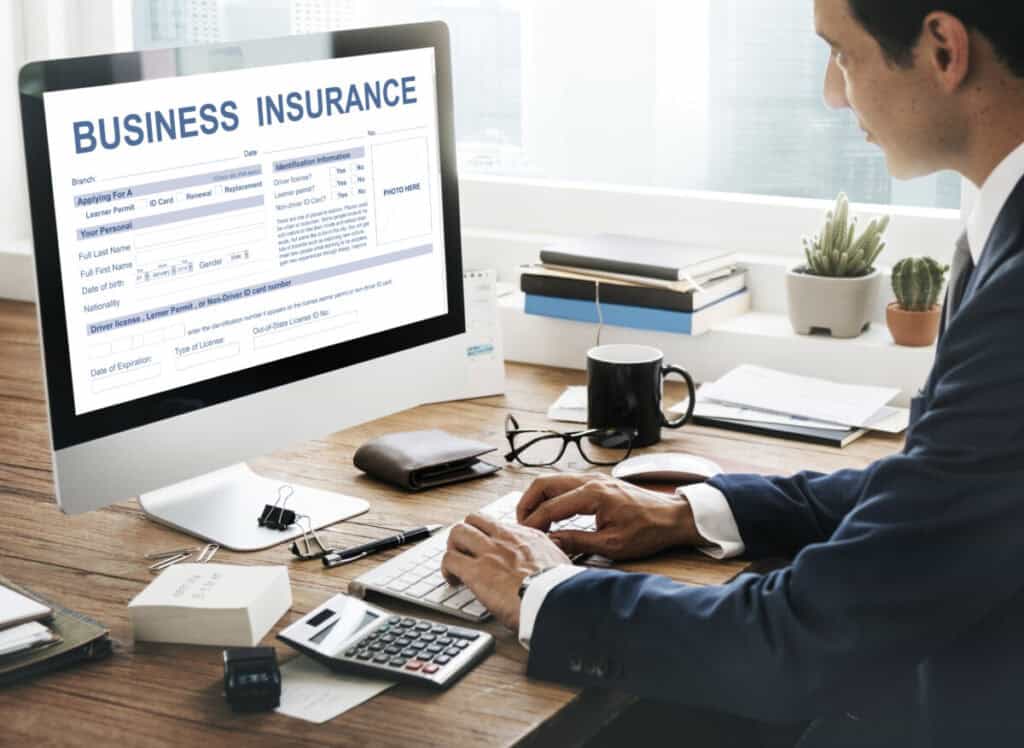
212, 223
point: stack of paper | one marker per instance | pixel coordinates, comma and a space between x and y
19, 627
212, 604
753, 398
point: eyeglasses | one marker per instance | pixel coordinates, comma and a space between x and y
543, 447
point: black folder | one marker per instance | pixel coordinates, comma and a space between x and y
81, 639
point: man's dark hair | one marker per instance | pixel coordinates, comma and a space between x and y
897, 25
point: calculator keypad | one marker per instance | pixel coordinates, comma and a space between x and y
412, 645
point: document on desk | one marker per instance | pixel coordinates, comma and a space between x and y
888, 420
571, 406
819, 399
312, 692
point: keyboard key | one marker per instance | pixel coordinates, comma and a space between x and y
413, 664
475, 609
423, 626
397, 662
459, 600
417, 645
403, 642
445, 641
430, 669
427, 637
419, 590
435, 579
409, 652
438, 628
434, 649
442, 593
381, 658
452, 651
398, 585
387, 638
442, 659
462, 644
407, 622
364, 654
392, 650
461, 633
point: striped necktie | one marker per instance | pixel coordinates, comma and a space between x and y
959, 276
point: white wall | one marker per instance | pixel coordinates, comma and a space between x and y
14, 215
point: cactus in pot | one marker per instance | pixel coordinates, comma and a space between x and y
837, 252
917, 283
835, 290
913, 318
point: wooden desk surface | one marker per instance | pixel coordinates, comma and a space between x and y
149, 694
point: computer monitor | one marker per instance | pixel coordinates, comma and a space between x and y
239, 246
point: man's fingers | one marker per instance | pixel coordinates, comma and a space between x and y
468, 539
545, 488
578, 541
485, 525
582, 500
456, 566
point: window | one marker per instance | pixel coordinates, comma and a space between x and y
715, 95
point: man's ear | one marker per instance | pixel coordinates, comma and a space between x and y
945, 46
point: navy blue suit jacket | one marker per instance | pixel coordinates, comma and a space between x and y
904, 604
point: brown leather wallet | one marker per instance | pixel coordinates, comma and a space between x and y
417, 460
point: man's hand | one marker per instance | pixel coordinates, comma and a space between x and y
493, 559
632, 522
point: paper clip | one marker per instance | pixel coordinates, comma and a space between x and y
171, 560
167, 554
165, 559
275, 516
305, 551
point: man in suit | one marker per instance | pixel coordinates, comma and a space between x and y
900, 619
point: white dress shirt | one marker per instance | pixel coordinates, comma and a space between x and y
711, 513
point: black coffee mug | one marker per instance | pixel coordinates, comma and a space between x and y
624, 390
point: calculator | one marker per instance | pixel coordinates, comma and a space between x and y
350, 635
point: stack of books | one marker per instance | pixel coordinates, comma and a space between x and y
640, 283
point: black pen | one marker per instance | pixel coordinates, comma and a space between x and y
348, 555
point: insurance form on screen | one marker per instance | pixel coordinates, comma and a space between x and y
216, 222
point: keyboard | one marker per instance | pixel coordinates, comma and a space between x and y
415, 575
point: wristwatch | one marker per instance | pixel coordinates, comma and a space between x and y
530, 578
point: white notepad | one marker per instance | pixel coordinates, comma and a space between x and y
15, 608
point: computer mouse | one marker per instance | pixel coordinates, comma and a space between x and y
666, 467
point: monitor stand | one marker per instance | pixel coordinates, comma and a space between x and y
223, 507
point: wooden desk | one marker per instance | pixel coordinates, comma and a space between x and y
150, 694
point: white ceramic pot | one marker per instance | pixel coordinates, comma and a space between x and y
840, 307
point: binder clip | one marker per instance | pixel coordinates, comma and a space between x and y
275, 516
309, 546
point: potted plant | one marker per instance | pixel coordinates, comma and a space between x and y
836, 290
913, 318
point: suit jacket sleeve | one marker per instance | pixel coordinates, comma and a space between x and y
778, 516
930, 544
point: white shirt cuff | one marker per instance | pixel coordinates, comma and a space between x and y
536, 591
714, 520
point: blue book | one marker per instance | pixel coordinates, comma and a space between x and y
642, 318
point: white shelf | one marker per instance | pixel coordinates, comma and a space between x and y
762, 338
